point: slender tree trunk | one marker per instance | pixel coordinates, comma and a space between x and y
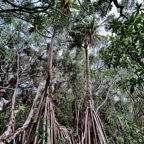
50, 57
88, 76
49, 66
47, 92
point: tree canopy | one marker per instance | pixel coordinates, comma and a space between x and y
64, 80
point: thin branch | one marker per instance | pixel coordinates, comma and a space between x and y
41, 33
99, 85
6, 88
120, 122
121, 8
107, 95
15, 92
82, 6
21, 10
108, 6
3, 70
76, 19
25, 9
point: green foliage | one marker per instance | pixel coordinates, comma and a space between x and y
60, 139
41, 134
126, 47
133, 133
3, 119
26, 34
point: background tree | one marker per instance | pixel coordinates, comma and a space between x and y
124, 55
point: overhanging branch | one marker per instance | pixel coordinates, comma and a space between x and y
120, 7
117, 6
18, 8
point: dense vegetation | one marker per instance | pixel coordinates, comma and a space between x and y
67, 82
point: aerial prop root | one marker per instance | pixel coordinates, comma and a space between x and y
93, 131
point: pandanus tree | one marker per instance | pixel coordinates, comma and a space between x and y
92, 128
47, 129
41, 125
93, 131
